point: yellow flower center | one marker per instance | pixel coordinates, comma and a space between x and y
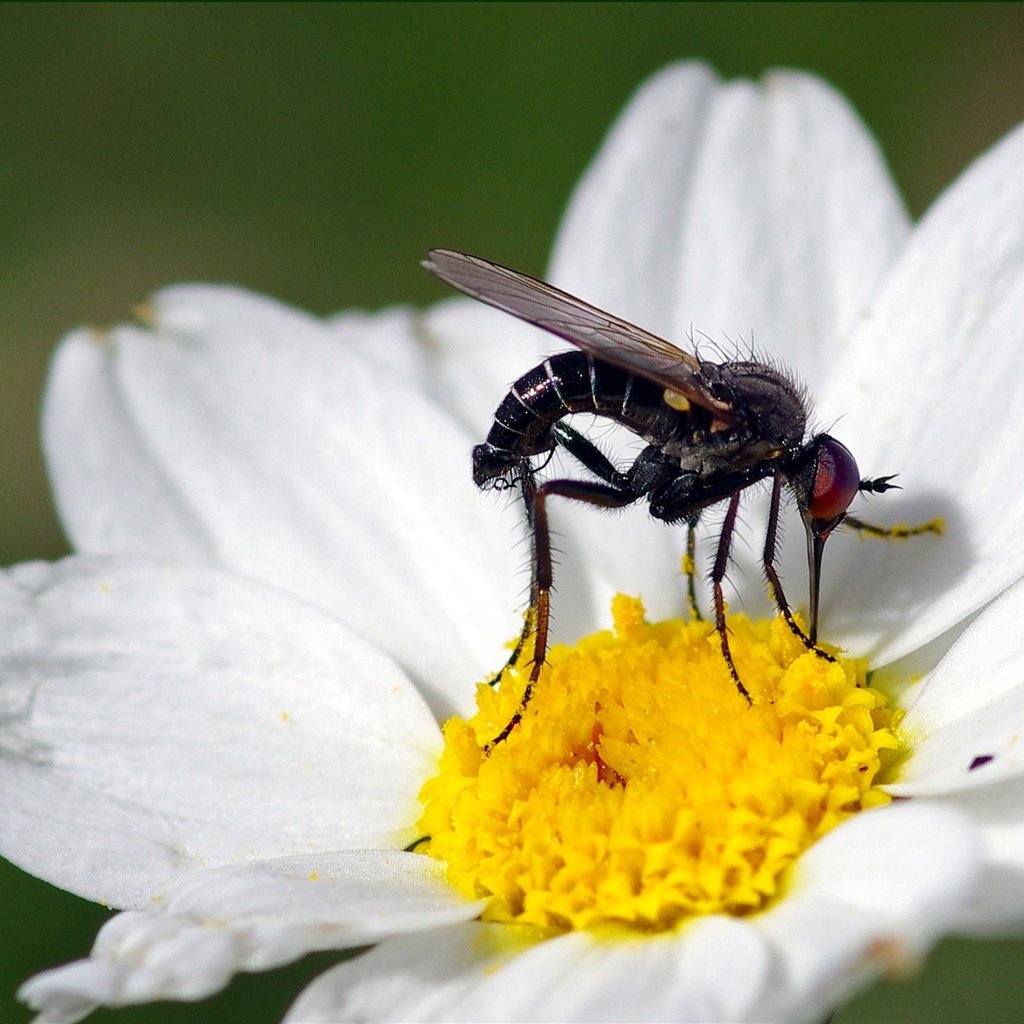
641, 789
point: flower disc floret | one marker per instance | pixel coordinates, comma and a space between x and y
641, 788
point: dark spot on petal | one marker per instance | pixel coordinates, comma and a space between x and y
980, 760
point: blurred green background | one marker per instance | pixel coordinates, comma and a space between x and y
315, 151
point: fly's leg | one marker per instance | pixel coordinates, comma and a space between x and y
899, 532
527, 489
614, 491
717, 575
605, 495
681, 498
590, 457
775, 584
587, 454
690, 571
529, 625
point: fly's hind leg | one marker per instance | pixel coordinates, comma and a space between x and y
591, 493
529, 626
528, 490
592, 458
615, 490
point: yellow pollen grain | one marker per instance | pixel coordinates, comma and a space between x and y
641, 789
676, 400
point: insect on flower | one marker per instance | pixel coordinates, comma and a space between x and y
712, 430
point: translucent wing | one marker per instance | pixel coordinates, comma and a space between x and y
602, 335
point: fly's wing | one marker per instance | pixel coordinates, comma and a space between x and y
602, 335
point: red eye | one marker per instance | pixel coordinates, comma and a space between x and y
836, 480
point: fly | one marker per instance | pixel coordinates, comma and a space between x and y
712, 430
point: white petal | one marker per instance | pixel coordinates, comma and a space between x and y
408, 979
251, 918
931, 391
997, 811
965, 730
970, 707
69, 993
870, 898
460, 352
713, 970
157, 718
240, 433
997, 907
735, 211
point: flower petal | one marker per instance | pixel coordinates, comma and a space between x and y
965, 723
460, 352
156, 718
465, 355
997, 810
930, 390
239, 433
741, 213
713, 970
250, 917
734, 210
997, 907
870, 898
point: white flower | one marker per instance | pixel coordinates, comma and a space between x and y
198, 727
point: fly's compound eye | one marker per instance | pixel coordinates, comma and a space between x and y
836, 480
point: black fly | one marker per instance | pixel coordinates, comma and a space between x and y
712, 430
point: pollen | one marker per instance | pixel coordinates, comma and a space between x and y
641, 789
676, 400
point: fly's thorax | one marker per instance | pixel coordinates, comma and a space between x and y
716, 453
770, 406
765, 422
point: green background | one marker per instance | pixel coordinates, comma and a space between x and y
315, 151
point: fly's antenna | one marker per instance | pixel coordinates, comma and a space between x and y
879, 485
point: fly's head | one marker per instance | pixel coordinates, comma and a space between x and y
826, 479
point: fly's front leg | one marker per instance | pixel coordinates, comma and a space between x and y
898, 532
774, 583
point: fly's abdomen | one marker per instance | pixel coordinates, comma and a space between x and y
564, 384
